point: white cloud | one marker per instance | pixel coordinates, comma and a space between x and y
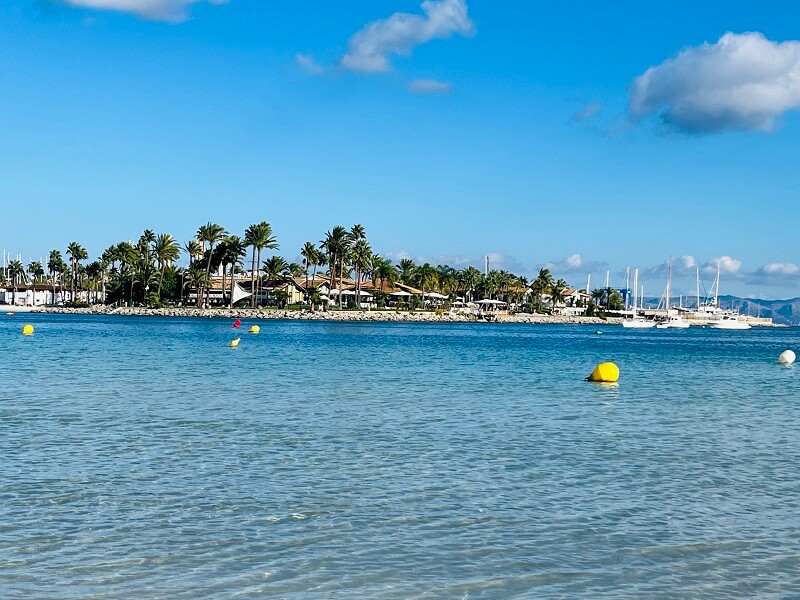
370, 49
777, 268
309, 65
777, 274
161, 10
588, 111
727, 265
742, 82
429, 87
575, 263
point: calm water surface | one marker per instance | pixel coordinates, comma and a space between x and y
143, 458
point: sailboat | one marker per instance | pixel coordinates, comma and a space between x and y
636, 322
673, 321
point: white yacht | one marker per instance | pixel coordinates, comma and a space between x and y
729, 321
673, 322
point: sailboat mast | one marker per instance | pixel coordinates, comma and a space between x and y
627, 286
697, 282
716, 287
669, 280
635, 285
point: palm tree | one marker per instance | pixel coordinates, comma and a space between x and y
235, 249
54, 262
260, 237
193, 249
94, 272
76, 254
598, 295
36, 271
335, 244
16, 272
210, 234
310, 255
541, 285
276, 270
427, 277
196, 276
469, 280
166, 251
407, 270
386, 273
362, 259
557, 294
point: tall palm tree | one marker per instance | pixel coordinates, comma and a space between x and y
276, 270
427, 277
36, 271
196, 276
166, 251
335, 245
94, 272
15, 272
542, 285
210, 234
235, 249
54, 262
193, 249
260, 237
406, 269
598, 295
76, 254
557, 294
362, 259
310, 255
386, 274
469, 280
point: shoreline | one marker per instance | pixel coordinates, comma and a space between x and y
356, 316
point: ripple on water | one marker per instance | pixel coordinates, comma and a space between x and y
142, 458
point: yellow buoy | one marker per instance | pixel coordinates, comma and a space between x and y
235, 342
787, 357
255, 329
606, 372
27, 329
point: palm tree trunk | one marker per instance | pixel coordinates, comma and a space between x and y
160, 280
258, 279
233, 282
252, 280
208, 273
313, 279
224, 279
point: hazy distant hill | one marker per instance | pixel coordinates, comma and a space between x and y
783, 312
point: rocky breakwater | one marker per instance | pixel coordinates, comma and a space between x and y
334, 315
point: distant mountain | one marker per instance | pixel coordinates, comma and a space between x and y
782, 312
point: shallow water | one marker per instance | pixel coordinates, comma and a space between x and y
142, 457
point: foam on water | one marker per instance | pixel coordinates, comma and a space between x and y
142, 458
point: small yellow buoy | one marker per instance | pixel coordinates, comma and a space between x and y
255, 329
27, 329
606, 372
235, 342
787, 357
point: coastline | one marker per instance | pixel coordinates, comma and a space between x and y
364, 316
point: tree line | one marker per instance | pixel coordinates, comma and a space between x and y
146, 272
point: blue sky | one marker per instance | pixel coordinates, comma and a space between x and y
582, 135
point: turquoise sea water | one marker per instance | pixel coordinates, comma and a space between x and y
143, 458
